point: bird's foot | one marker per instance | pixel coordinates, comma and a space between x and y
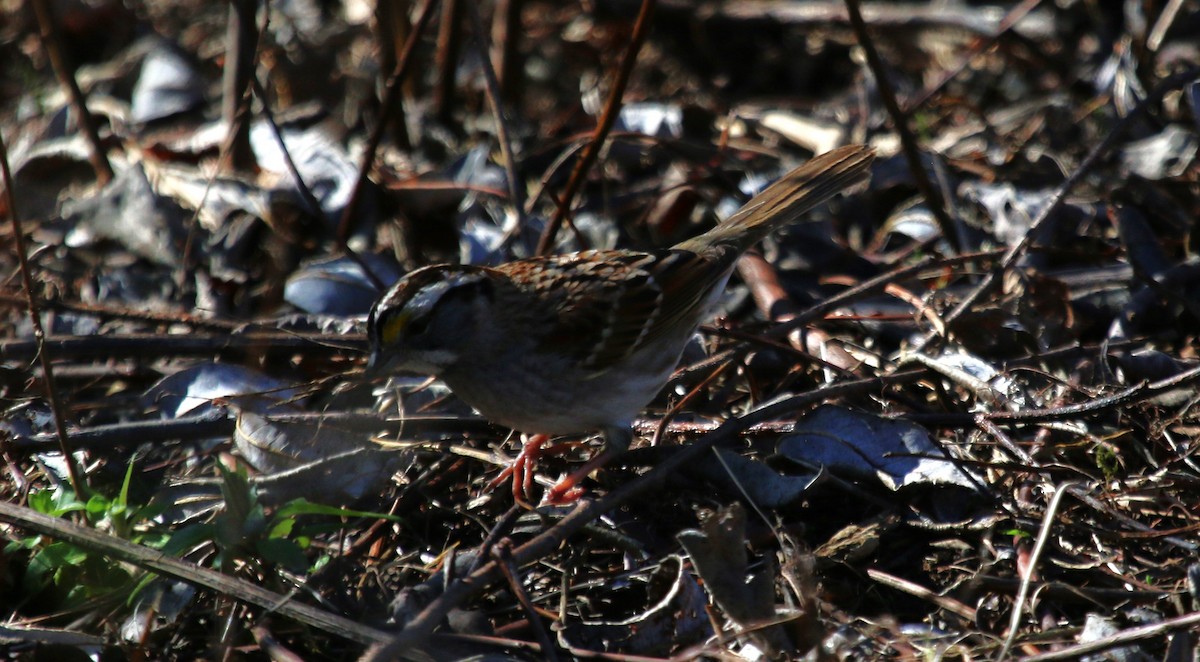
521, 470
568, 489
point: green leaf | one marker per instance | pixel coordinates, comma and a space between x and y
37, 573
238, 493
154, 539
188, 537
150, 511
281, 528
227, 531
283, 552
123, 499
102, 575
58, 554
55, 562
314, 529
22, 543
1107, 461
96, 508
56, 502
255, 522
145, 581
305, 507
42, 501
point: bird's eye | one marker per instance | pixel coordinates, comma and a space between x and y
417, 326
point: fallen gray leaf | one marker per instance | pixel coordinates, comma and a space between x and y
719, 553
760, 483
866, 445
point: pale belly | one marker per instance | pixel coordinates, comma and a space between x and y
524, 399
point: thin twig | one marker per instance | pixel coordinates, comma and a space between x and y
506, 55
819, 310
52, 43
143, 344
142, 315
1182, 623
391, 24
39, 334
502, 553
449, 45
242, 40
1026, 581
516, 190
979, 45
878, 284
388, 107
1018, 249
153, 560
994, 431
1165, 18
908, 142
912, 588
607, 119
310, 200
664, 423
192, 428
230, 150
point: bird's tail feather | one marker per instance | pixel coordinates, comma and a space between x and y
785, 201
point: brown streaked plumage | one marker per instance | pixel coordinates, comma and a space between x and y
579, 342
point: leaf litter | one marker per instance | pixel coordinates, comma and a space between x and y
875, 469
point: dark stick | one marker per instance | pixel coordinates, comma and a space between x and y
908, 142
449, 46
516, 191
39, 334
389, 105
241, 44
52, 43
506, 56
607, 119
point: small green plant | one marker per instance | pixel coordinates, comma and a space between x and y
66, 574
124, 520
1107, 461
242, 531
74, 573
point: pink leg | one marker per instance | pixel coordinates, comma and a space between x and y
616, 442
521, 469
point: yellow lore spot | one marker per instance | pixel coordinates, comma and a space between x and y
394, 327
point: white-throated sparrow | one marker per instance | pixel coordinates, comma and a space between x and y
579, 342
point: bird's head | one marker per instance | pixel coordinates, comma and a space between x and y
428, 319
